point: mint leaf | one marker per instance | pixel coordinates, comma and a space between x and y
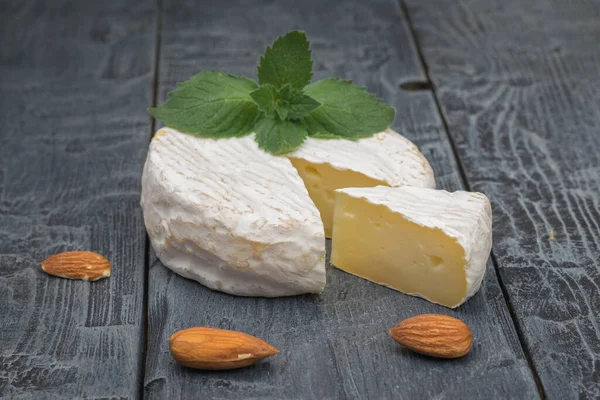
346, 110
301, 105
279, 136
281, 103
287, 61
285, 92
282, 111
265, 97
210, 104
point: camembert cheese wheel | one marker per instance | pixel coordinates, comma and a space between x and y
239, 220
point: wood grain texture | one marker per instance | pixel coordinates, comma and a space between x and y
75, 79
335, 345
519, 85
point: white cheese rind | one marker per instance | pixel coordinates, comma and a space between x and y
232, 217
386, 156
464, 216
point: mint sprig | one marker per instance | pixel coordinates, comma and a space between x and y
283, 110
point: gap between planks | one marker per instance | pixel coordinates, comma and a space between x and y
155, 83
465, 182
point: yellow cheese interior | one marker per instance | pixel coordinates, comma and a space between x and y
382, 246
322, 179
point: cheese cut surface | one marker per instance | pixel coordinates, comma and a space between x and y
232, 217
387, 158
423, 242
321, 181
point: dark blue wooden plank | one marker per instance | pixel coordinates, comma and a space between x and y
75, 79
334, 345
519, 85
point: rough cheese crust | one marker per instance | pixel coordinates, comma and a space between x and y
232, 217
464, 216
386, 156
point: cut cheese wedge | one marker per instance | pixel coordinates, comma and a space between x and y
387, 158
423, 242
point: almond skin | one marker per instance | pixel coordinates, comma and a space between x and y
434, 335
84, 265
210, 348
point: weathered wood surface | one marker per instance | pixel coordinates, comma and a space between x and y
335, 345
75, 79
519, 85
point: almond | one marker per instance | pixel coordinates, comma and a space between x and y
209, 348
434, 335
77, 265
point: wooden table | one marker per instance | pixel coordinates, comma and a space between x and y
502, 97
